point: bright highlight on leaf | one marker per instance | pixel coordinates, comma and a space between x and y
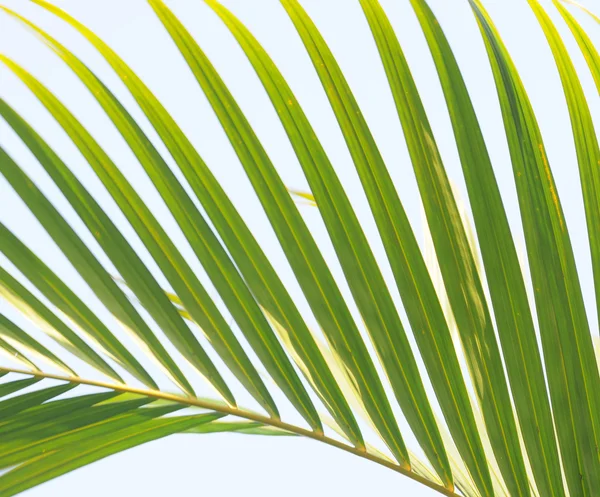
521, 419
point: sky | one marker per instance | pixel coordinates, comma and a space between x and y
230, 464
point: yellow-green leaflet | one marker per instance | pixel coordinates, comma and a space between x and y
571, 368
65, 300
507, 287
217, 263
357, 260
584, 133
298, 291
590, 52
18, 339
81, 257
168, 258
457, 264
588, 157
14, 405
14, 386
308, 198
245, 251
584, 9
118, 428
14, 355
307, 262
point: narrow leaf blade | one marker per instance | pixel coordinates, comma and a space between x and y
565, 335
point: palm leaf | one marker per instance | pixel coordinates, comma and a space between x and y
590, 52
302, 252
14, 337
358, 262
457, 265
584, 9
221, 269
245, 251
181, 275
519, 420
507, 287
566, 339
584, 133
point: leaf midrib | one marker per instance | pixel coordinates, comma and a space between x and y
237, 412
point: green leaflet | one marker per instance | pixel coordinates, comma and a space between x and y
14, 355
457, 264
116, 436
68, 431
12, 334
245, 251
126, 261
506, 447
504, 276
84, 261
357, 260
66, 428
584, 133
588, 157
139, 278
590, 52
66, 301
587, 11
15, 405
568, 352
14, 386
244, 427
307, 262
168, 258
48, 412
225, 276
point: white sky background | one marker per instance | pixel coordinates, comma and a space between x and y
230, 464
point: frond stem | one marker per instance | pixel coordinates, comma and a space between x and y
240, 413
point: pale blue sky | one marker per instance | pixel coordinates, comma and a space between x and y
235, 464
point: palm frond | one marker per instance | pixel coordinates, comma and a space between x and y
521, 419
569, 361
